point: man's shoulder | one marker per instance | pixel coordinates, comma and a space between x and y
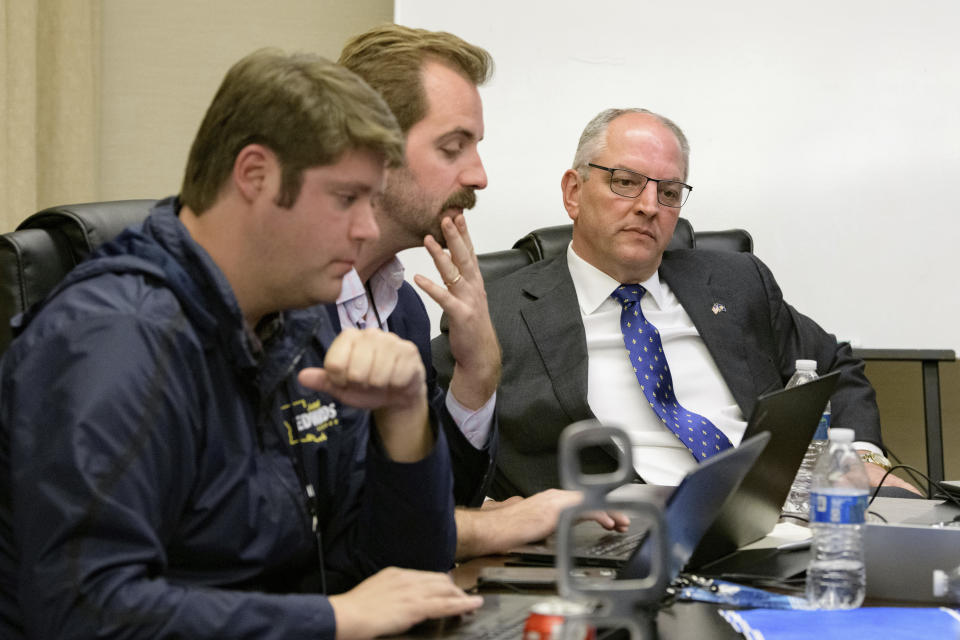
109, 293
109, 324
714, 260
106, 297
708, 256
409, 303
533, 274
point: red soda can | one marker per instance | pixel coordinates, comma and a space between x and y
548, 621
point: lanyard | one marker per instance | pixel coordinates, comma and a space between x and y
313, 509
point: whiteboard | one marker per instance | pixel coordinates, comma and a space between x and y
829, 130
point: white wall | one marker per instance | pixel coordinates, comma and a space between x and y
829, 130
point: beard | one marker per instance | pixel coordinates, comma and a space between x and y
414, 211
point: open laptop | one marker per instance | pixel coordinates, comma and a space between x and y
749, 512
689, 511
754, 508
916, 538
900, 560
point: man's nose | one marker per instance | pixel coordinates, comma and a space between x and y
365, 225
474, 175
647, 201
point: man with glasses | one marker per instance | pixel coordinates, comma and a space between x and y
589, 333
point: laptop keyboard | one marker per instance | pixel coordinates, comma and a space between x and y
613, 545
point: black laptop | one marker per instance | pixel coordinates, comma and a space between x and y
752, 508
688, 513
689, 510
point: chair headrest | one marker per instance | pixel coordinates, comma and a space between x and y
547, 242
90, 224
48, 244
726, 240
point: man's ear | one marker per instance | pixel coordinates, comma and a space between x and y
253, 171
571, 186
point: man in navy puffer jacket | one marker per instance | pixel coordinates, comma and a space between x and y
166, 473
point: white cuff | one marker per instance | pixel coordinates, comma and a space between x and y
867, 446
475, 425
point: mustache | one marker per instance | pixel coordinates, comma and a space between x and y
463, 199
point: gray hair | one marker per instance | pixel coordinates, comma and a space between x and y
593, 140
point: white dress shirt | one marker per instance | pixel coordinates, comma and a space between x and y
355, 310
613, 392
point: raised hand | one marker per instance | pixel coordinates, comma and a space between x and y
473, 342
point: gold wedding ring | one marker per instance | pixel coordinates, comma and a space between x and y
454, 281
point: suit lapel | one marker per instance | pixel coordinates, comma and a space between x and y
552, 317
713, 308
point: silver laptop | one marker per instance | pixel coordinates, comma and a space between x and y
901, 559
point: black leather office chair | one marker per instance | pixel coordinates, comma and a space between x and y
48, 244
547, 242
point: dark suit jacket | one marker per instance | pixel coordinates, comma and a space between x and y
472, 467
755, 342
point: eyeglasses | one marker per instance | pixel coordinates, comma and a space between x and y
630, 184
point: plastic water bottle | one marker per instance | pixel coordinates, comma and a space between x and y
836, 577
947, 584
798, 500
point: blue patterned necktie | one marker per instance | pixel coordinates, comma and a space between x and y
642, 341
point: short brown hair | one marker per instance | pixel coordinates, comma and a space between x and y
390, 58
305, 108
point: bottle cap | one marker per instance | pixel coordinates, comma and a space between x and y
806, 365
939, 583
837, 434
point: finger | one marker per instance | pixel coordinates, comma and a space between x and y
408, 373
461, 222
362, 356
337, 359
621, 520
563, 498
452, 606
440, 295
599, 517
461, 254
400, 370
384, 361
441, 259
382, 372
313, 378
425, 584
435, 585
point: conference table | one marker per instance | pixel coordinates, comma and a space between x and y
680, 619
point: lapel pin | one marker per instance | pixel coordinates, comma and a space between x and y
718, 308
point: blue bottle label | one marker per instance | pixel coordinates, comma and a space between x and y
838, 508
821, 433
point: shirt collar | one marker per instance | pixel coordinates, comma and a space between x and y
594, 287
351, 288
385, 283
390, 275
